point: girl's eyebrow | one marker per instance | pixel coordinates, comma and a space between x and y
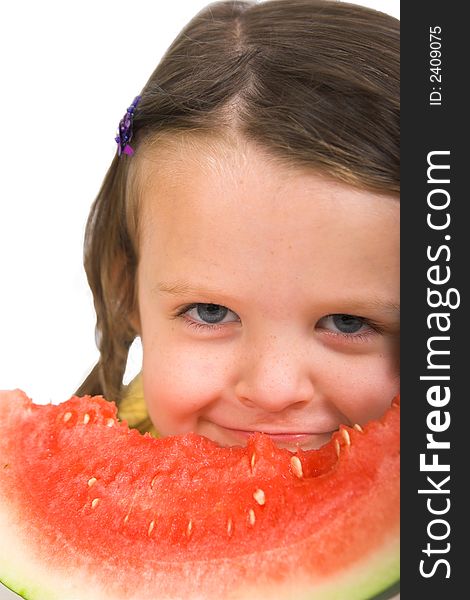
379, 309
182, 288
376, 304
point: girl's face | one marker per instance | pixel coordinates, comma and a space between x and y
268, 297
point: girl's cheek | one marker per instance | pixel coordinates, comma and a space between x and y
368, 391
180, 381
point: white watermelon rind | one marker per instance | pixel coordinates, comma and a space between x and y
24, 574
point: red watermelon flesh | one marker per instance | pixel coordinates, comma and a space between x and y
93, 509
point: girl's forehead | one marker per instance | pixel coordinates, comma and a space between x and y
177, 158
231, 220
221, 163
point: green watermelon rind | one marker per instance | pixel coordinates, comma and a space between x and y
368, 592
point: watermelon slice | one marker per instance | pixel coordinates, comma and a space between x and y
92, 509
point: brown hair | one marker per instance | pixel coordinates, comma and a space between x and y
314, 82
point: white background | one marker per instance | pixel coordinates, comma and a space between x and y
68, 72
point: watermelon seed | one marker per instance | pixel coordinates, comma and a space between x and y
296, 466
337, 448
67, 416
346, 437
229, 527
126, 518
260, 497
358, 427
152, 483
95, 502
110, 422
189, 528
252, 517
151, 526
86, 418
252, 461
91, 481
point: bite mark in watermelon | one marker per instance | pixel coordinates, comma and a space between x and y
92, 509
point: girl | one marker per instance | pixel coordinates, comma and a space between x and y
248, 227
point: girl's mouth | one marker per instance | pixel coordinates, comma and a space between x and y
289, 440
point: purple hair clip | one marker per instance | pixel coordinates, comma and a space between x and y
124, 133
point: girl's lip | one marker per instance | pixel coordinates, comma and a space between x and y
312, 439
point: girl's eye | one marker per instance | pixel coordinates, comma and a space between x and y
347, 325
209, 314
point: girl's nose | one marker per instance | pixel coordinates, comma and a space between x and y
275, 374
